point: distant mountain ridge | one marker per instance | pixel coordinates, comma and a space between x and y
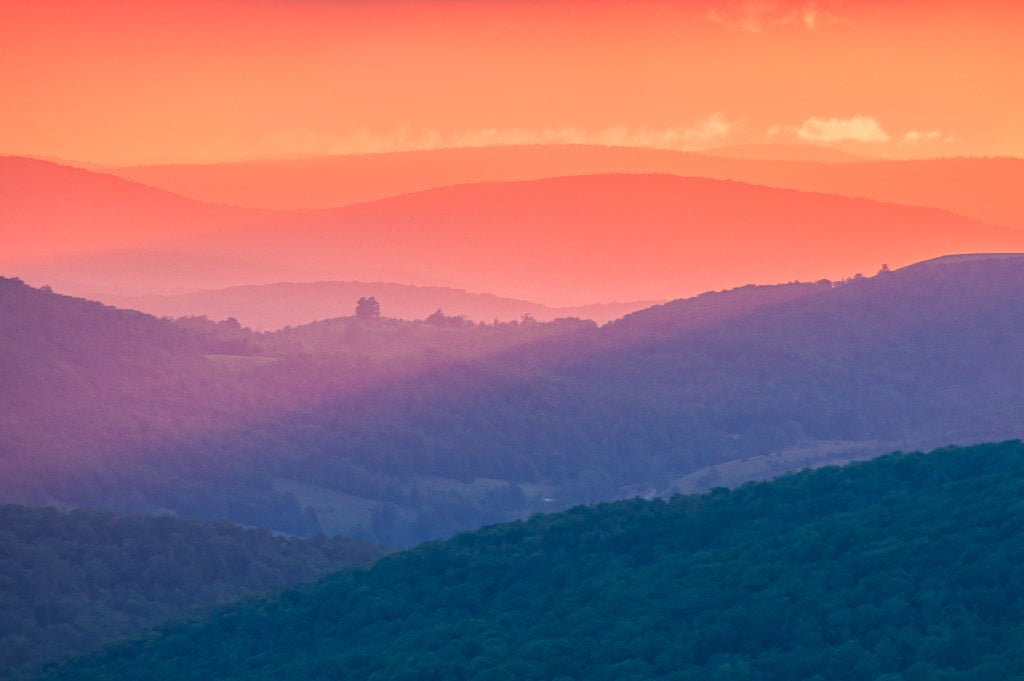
142, 272
273, 306
981, 188
574, 240
47, 209
561, 241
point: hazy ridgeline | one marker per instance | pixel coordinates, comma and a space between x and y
621, 234
905, 567
401, 431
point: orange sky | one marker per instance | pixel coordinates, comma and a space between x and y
108, 81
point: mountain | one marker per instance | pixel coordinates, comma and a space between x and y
48, 209
402, 431
980, 188
905, 567
783, 152
75, 580
117, 409
575, 240
560, 241
114, 275
273, 306
333, 181
984, 189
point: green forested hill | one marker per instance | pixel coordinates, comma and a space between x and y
69, 581
907, 567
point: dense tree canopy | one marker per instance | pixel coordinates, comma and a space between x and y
69, 581
905, 567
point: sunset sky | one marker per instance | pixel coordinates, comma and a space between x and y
112, 82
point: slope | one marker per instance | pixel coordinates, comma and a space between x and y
577, 240
905, 567
402, 431
984, 189
75, 580
116, 409
48, 209
332, 181
135, 272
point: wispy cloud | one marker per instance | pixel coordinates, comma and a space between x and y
756, 16
856, 129
709, 131
920, 136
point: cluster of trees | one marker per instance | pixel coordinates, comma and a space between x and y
906, 567
209, 419
70, 581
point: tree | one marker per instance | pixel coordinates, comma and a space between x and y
368, 308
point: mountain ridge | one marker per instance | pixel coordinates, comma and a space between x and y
657, 236
267, 307
979, 187
413, 430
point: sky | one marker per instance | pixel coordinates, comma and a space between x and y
111, 82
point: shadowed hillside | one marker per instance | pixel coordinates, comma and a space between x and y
75, 580
405, 430
905, 567
92, 393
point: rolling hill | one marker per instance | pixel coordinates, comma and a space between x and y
905, 567
579, 240
984, 189
121, 273
803, 152
91, 390
560, 241
401, 431
274, 306
334, 181
49, 209
75, 580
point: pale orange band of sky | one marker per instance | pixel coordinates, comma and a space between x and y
118, 82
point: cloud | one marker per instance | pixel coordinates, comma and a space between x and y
757, 15
712, 130
856, 129
918, 136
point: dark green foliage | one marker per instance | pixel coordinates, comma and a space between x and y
906, 567
69, 581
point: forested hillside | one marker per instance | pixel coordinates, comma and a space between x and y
116, 409
905, 567
70, 581
401, 431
